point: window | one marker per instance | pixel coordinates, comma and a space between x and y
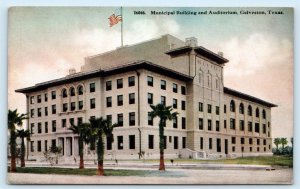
201, 143
46, 127
265, 142
64, 123
131, 98
80, 105
46, 145
249, 126
150, 120
131, 81
80, 90
225, 109
241, 109
150, 81
65, 107
109, 118
108, 85
242, 140
120, 100
53, 142
233, 148
39, 112
163, 84
120, 120
258, 149
120, 142
170, 139
249, 110
183, 90
232, 106
39, 99
131, 118
174, 103
242, 127
218, 145
209, 125
175, 89
232, 123
39, 127
92, 87
163, 100
53, 109
64, 93
257, 112
151, 141
39, 148
46, 111
32, 146
182, 105
73, 106
175, 122
32, 100
183, 142
217, 83
208, 108
183, 124
217, 126
79, 120
264, 128
108, 101
53, 95
119, 83
32, 128
200, 107
71, 120
175, 142
46, 97
225, 124
200, 123
150, 98
210, 143
232, 140
256, 127
54, 126
109, 142
72, 91
131, 141
258, 142
32, 113
165, 142
92, 103
264, 114
217, 110
250, 141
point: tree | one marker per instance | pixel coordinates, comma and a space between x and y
100, 128
22, 134
283, 142
14, 118
277, 141
56, 150
164, 113
82, 129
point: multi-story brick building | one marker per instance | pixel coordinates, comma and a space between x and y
213, 121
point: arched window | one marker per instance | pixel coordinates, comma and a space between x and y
64, 93
257, 112
80, 90
249, 110
72, 91
264, 114
232, 106
241, 109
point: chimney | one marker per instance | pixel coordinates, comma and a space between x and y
72, 71
220, 53
191, 41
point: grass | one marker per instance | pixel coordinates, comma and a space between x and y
260, 160
91, 172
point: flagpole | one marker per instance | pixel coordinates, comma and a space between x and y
121, 27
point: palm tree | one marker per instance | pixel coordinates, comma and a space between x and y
14, 118
164, 113
101, 127
23, 134
283, 142
82, 129
277, 141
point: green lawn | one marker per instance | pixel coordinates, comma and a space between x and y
90, 172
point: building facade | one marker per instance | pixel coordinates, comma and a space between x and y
213, 121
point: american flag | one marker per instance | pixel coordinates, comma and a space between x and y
113, 19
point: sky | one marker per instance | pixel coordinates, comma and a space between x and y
44, 43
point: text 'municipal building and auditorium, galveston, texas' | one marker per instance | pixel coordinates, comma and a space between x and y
213, 121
